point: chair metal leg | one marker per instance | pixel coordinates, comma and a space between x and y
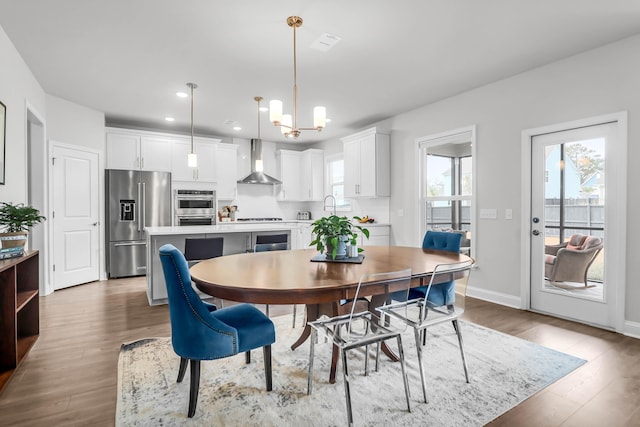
266, 351
404, 373
183, 369
418, 335
347, 391
311, 351
194, 386
456, 326
247, 356
266, 309
366, 360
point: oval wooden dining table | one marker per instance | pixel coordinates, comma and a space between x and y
290, 277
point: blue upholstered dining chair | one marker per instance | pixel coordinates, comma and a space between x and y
441, 293
199, 332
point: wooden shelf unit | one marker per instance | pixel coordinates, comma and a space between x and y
19, 311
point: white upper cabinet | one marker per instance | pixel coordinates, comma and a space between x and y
134, 150
205, 149
227, 171
123, 151
302, 175
313, 175
155, 154
366, 164
289, 165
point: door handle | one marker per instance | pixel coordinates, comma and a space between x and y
535, 232
95, 224
144, 205
139, 206
117, 245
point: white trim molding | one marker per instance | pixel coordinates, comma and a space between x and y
494, 297
616, 267
631, 329
467, 133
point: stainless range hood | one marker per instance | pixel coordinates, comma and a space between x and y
257, 176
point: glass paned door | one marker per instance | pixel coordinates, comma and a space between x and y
568, 223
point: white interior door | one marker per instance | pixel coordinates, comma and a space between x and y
573, 191
76, 242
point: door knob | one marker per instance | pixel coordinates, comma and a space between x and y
535, 232
535, 220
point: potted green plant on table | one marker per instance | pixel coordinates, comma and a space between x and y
333, 232
16, 220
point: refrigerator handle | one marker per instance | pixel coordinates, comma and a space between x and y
140, 202
144, 205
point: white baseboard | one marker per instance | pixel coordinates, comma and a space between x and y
495, 297
631, 329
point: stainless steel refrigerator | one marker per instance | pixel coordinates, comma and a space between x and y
135, 200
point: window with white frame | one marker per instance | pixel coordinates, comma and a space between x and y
335, 181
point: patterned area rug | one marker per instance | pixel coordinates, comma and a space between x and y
503, 370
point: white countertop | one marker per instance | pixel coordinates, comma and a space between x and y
220, 228
237, 227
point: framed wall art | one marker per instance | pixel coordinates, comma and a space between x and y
3, 133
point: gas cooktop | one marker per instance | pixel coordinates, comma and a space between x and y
258, 219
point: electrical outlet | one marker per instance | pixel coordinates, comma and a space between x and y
508, 214
488, 213
400, 212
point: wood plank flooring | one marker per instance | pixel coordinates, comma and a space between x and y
69, 378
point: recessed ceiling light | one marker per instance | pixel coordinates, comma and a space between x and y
237, 128
182, 94
327, 120
263, 109
170, 119
325, 42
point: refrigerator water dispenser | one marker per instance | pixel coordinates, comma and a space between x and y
127, 210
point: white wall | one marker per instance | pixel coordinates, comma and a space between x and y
18, 87
601, 81
74, 124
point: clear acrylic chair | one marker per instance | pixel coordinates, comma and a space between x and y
447, 288
355, 330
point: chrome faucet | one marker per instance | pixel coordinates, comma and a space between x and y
324, 203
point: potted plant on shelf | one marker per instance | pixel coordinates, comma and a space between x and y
16, 220
333, 232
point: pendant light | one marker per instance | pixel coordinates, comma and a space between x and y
192, 159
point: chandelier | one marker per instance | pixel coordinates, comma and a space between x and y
289, 123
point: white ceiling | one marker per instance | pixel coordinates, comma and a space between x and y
127, 58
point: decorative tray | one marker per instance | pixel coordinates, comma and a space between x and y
323, 258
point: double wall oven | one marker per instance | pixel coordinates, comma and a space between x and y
195, 207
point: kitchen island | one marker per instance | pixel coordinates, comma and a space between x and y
238, 238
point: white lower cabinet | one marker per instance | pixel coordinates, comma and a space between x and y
378, 236
305, 236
